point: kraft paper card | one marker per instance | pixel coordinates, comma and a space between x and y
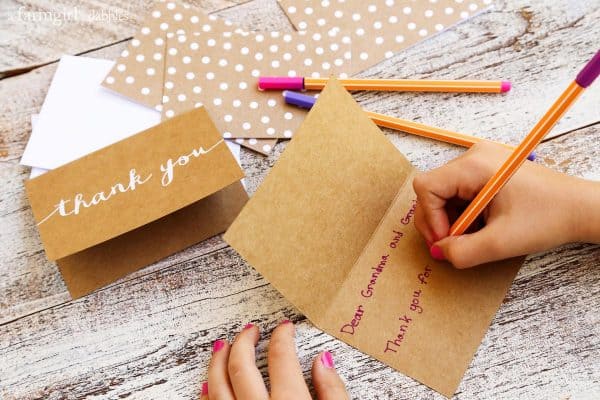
58, 147
137, 201
378, 29
332, 229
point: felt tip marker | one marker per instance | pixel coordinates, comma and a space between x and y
399, 85
305, 101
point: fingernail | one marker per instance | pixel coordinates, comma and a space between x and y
327, 359
248, 326
204, 388
285, 321
218, 345
436, 252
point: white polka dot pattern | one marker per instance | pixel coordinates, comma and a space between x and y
228, 68
378, 29
144, 80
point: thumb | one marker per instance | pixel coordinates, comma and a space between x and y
327, 383
468, 250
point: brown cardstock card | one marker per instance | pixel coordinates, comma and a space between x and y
136, 201
332, 229
377, 29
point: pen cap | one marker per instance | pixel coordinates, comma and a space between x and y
590, 72
299, 99
280, 82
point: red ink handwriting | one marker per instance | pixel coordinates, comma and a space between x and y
353, 324
397, 236
415, 306
393, 344
414, 303
368, 292
424, 275
406, 219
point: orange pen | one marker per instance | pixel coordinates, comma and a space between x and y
517, 158
415, 128
399, 85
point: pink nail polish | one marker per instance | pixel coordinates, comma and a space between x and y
218, 345
204, 388
327, 359
285, 321
248, 326
436, 252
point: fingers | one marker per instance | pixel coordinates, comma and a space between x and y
246, 380
219, 386
204, 393
285, 372
327, 383
469, 250
461, 178
434, 189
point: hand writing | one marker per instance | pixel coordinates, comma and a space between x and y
537, 209
232, 372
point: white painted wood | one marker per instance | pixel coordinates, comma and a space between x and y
36, 32
149, 335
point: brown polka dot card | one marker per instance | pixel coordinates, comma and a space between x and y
141, 72
378, 29
332, 228
136, 201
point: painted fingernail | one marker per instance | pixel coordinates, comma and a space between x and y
248, 326
285, 321
218, 345
436, 252
204, 388
327, 359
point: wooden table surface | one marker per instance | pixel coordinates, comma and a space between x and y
149, 335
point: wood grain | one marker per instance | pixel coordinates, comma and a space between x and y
149, 334
37, 32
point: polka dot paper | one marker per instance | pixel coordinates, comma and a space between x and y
377, 29
140, 71
220, 71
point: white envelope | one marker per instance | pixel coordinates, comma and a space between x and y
79, 116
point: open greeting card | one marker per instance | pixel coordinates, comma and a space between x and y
332, 229
136, 201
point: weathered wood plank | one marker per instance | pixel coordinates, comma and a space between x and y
149, 335
158, 333
36, 32
523, 42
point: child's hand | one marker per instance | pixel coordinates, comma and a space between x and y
537, 209
232, 372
